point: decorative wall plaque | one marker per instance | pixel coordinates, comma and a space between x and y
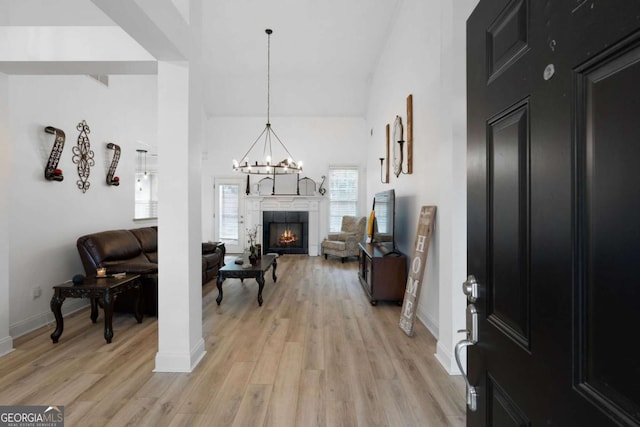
322, 190
398, 143
83, 156
416, 268
384, 174
113, 180
51, 172
410, 134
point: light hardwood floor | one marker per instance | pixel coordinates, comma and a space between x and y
316, 353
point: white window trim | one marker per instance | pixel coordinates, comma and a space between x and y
356, 200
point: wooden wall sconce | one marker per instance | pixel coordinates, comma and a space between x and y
409, 134
399, 142
83, 156
113, 180
385, 179
51, 172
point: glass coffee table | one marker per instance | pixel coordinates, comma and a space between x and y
244, 271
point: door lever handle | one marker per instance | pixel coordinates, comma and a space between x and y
472, 339
472, 393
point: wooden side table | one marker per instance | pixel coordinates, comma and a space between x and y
101, 290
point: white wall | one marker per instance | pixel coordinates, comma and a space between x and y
318, 141
46, 217
410, 64
424, 56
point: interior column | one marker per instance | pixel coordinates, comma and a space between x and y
180, 342
6, 342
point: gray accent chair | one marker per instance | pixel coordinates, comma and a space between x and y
345, 243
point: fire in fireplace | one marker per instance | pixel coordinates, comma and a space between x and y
287, 238
285, 232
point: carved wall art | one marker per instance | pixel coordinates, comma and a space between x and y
322, 190
51, 172
113, 180
83, 156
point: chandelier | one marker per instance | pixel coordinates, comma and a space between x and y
266, 164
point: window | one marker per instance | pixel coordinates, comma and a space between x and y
146, 189
146, 205
343, 194
229, 215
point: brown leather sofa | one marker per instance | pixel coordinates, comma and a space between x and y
136, 251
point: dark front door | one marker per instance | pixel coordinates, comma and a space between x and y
554, 211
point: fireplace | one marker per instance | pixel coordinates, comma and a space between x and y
285, 232
311, 205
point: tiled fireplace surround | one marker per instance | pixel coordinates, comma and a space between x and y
256, 205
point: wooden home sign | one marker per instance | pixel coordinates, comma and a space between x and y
416, 268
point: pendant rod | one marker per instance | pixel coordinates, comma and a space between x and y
269, 32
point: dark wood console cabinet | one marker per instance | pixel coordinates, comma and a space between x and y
383, 275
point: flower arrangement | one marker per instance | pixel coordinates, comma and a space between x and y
252, 234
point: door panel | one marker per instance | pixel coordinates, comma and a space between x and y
502, 410
507, 38
508, 199
498, 158
553, 195
608, 153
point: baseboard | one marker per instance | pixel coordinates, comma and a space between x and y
198, 353
443, 355
429, 323
447, 360
180, 362
6, 345
45, 319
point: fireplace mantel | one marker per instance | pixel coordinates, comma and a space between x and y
255, 205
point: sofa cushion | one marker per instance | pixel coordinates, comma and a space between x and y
110, 245
211, 260
341, 237
148, 238
334, 245
136, 266
209, 247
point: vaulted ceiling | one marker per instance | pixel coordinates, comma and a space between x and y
323, 53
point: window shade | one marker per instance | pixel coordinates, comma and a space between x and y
229, 215
343, 195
